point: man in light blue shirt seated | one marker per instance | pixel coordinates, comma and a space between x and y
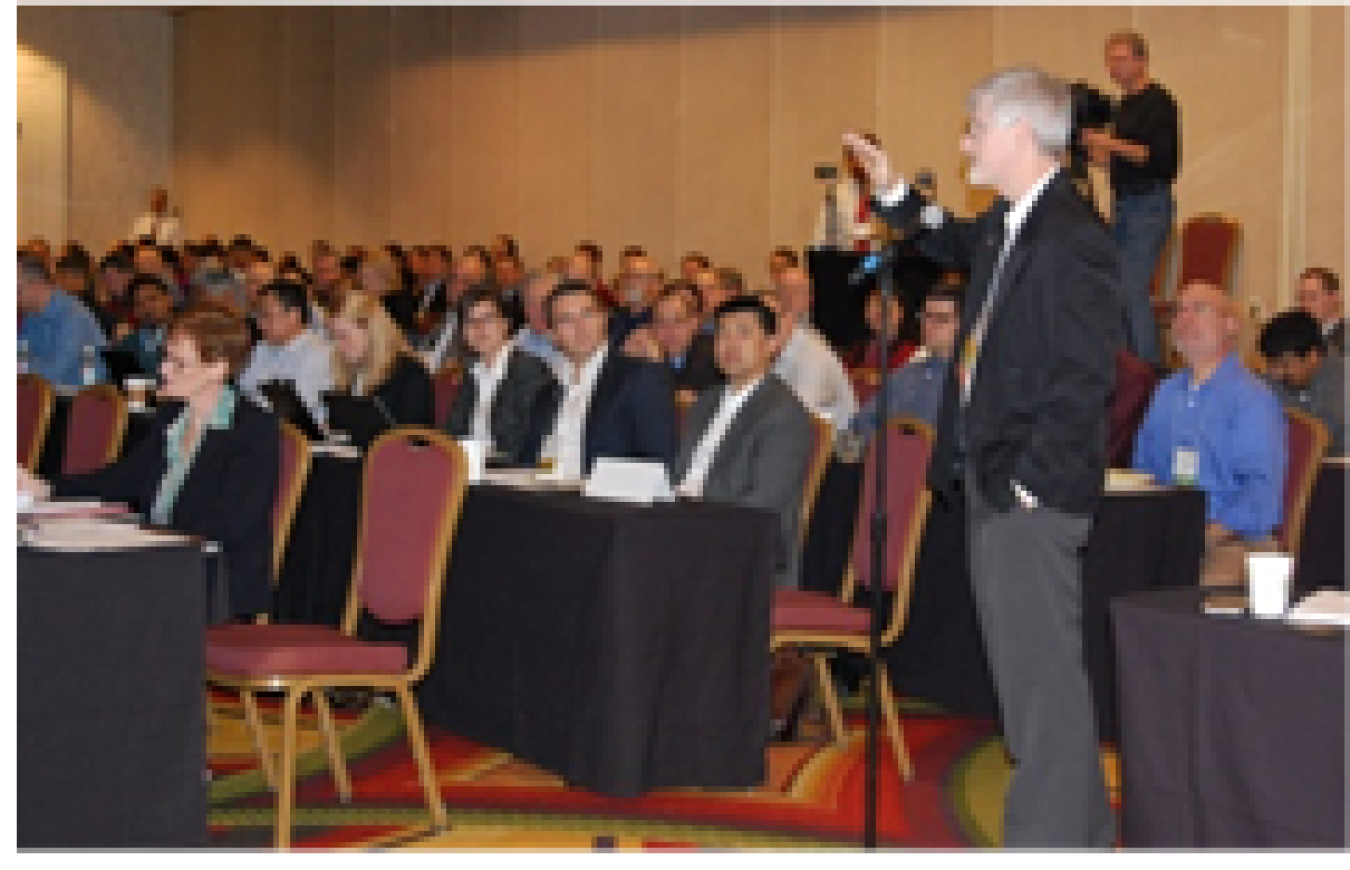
56, 327
289, 351
1216, 426
915, 389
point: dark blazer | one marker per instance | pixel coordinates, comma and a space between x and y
227, 496
762, 461
631, 415
408, 393
520, 408
147, 351
699, 371
1037, 412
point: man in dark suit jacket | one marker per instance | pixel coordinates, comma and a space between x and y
674, 340
749, 441
1022, 433
612, 405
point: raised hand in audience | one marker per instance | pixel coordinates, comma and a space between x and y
876, 165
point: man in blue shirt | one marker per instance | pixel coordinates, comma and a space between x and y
1215, 425
915, 389
56, 326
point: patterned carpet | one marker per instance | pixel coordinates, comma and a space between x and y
812, 797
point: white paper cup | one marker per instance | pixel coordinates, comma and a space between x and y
476, 454
1268, 578
138, 391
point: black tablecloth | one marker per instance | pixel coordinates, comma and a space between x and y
1233, 728
1321, 554
111, 721
1139, 541
624, 648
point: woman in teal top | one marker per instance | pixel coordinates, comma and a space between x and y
211, 463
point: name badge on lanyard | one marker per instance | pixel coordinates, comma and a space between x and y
1186, 466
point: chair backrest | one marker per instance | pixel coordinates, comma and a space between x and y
94, 433
1306, 443
909, 445
1209, 246
35, 415
822, 447
413, 489
445, 385
290, 486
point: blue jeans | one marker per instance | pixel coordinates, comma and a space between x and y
1140, 225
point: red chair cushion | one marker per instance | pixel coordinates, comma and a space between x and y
286, 650
801, 610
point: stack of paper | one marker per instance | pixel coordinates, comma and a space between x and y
84, 536
1323, 607
71, 508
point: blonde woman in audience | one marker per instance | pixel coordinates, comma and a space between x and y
371, 359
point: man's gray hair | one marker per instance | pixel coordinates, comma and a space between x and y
1030, 94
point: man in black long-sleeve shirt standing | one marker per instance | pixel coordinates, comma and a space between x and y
1142, 152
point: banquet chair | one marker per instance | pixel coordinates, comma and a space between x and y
35, 416
95, 430
1306, 441
822, 448
295, 461
817, 622
413, 491
445, 385
1209, 247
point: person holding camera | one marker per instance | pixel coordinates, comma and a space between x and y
1142, 152
845, 219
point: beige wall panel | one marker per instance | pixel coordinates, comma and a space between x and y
419, 175
259, 175
1326, 147
727, 66
637, 159
483, 132
928, 60
118, 65
825, 70
1226, 68
206, 56
558, 165
303, 208
361, 117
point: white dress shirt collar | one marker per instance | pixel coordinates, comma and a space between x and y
702, 459
1017, 214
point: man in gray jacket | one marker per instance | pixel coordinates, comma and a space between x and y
1303, 374
749, 441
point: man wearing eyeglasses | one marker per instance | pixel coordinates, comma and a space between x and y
915, 389
611, 404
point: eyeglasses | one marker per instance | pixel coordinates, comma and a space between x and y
575, 317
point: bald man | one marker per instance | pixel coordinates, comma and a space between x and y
1216, 426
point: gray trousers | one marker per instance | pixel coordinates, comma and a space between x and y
1026, 574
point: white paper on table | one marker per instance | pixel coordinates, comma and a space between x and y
1323, 607
629, 480
72, 507
82, 536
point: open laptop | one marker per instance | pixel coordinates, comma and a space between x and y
122, 364
287, 404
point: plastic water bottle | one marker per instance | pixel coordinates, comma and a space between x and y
89, 366
23, 356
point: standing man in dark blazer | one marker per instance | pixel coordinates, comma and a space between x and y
609, 404
1022, 432
749, 441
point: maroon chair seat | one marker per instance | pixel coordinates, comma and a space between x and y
95, 429
262, 650
803, 610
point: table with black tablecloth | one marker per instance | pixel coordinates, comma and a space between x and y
623, 647
1140, 540
111, 721
1233, 729
1321, 553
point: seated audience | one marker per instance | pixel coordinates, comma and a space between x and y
154, 310
506, 398
535, 337
864, 354
674, 340
611, 405
806, 362
56, 327
1302, 373
373, 360
1319, 294
782, 259
749, 441
73, 275
210, 466
508, 273
692, 263
635, 290
289, 350
915, 390
1214, 425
